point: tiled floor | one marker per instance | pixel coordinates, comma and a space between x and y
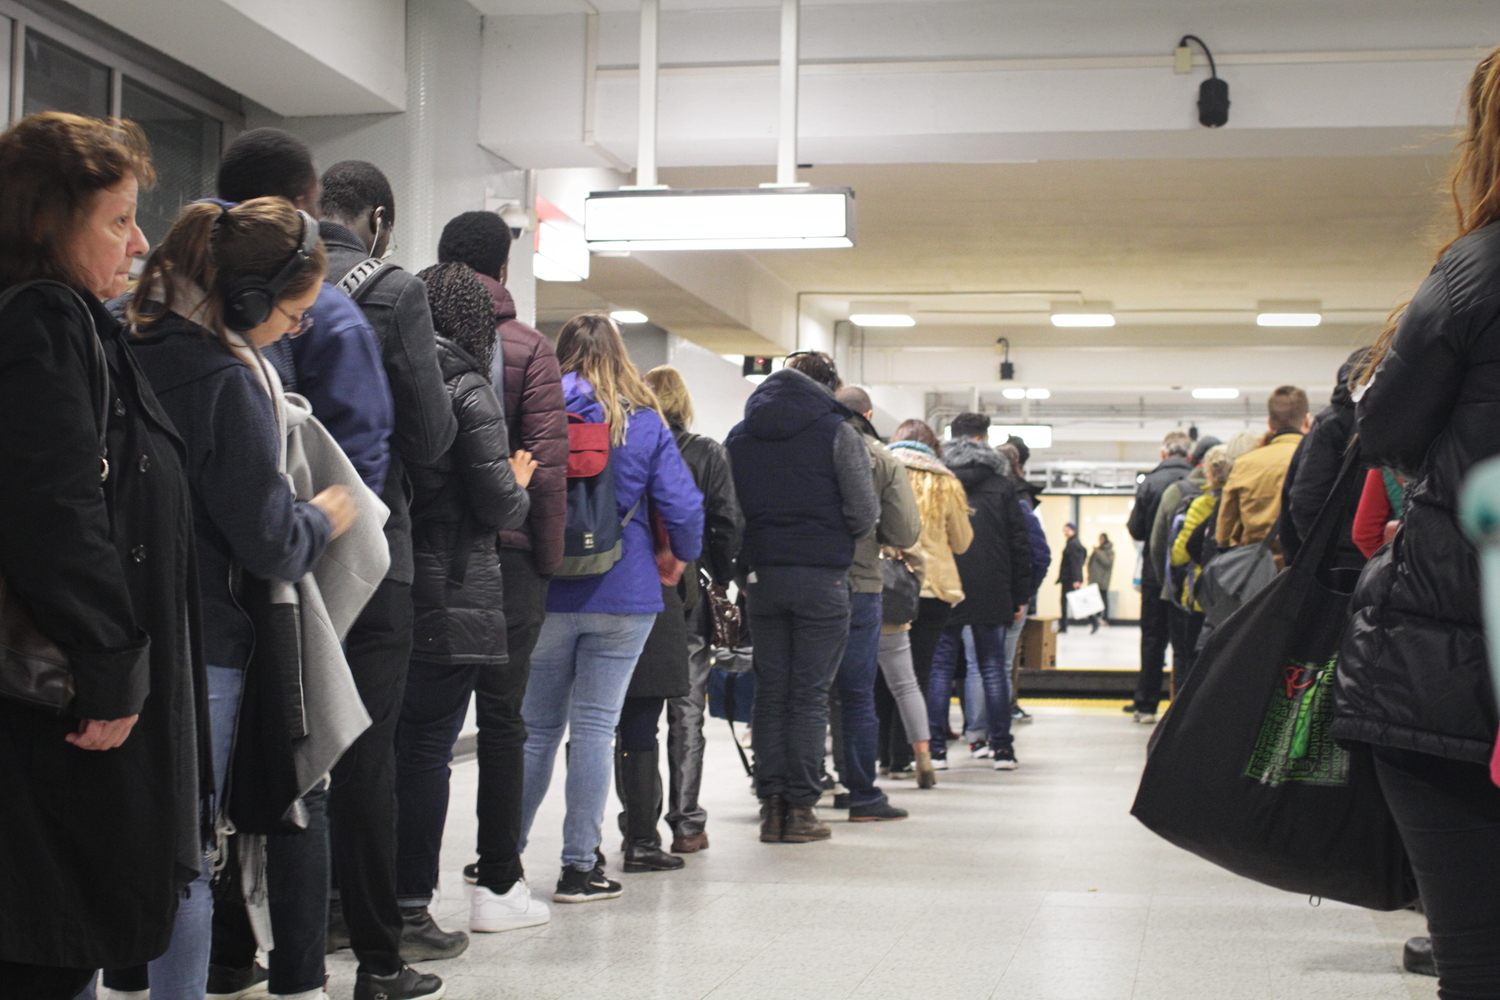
1113, 647
1030, 884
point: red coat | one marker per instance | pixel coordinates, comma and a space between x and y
532, 393
1374, 511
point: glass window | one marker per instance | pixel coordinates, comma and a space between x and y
59, 79
184, 149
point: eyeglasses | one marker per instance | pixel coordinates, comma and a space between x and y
303, 322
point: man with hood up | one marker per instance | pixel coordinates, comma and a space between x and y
802, 474
1315, 468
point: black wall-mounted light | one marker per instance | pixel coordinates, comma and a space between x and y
1007, 370
1213, 93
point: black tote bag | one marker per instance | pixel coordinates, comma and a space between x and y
1242, 771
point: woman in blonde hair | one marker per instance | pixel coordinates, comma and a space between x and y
946, 532
597, 625
1413, 677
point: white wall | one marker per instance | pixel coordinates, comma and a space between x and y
718, 388
291, 56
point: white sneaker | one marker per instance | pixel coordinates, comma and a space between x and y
1145, 718
940, 763
981, 751
490, 913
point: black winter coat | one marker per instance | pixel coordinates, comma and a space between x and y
1074, 555
1412, 671
1318, 460
1147, 500
662, 670
458, 505
996, 569
96, 846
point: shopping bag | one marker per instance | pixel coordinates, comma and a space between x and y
1242, 770
1085, 602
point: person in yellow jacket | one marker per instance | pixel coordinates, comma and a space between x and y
1252, 496
1216, 465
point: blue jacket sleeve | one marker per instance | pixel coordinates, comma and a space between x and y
1041, 553
339, 370
270, 532
674, 495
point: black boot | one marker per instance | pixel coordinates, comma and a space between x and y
638, 781
422, 940
1418, 957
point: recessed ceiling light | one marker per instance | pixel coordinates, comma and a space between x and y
1038, 394
1014, 393
882, 319
627, 316
1071, 314
1216, 394
1273, 312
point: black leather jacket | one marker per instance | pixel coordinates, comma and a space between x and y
1412, 671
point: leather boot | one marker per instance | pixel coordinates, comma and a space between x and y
772, 819
803, 826
926, 773
638, 780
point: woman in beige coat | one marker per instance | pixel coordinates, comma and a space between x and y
906, 650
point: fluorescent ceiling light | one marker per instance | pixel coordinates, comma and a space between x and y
712, 219
1014, 394
561, 253
1083, 314
1288, 319
882, 319
1035, 435
1275, 312
628, 316
1038, 394
1216, 394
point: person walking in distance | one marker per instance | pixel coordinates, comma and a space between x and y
802, 475
1155, 623
1101, 567
527, 380
1070, 570
997, 582
723, 529
899, 525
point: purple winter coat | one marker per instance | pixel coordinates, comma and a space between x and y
647, 464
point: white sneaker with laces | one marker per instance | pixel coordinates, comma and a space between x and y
982, 752
1145, 718
490, 913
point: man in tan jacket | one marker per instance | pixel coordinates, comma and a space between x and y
1252, 496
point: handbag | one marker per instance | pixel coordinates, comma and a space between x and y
901, 592
1242, 770
1234, 576
725, 616
1085, 602
33, 669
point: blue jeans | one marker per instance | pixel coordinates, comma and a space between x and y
182, 972
994, 671
976, 718
856, 686
799, 622
580, 671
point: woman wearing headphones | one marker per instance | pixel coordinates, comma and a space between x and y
226, 282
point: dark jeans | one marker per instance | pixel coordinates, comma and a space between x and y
362, 798
1062, 621
1184, 626
640, 721
432, 715
855, 682
1155, 633
932, 618
994, 670
502, 733
800, 618
296, 887
42, 982
1449, 816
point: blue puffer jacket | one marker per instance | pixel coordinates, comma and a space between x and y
648, 464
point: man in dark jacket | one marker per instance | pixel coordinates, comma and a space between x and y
1315, 468
802, 474
997, 582
899, 525
1070, 570
359, 212
1155, 623
527, 379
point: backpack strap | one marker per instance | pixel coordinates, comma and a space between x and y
364, 276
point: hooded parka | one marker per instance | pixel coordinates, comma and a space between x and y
1412, 671
1317, 464
996, 568
458, 504
96, 846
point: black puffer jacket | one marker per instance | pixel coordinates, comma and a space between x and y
1412, 671
996, 568
458, 504
1319, 458
1148, 499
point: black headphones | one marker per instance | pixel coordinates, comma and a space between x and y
249, 301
